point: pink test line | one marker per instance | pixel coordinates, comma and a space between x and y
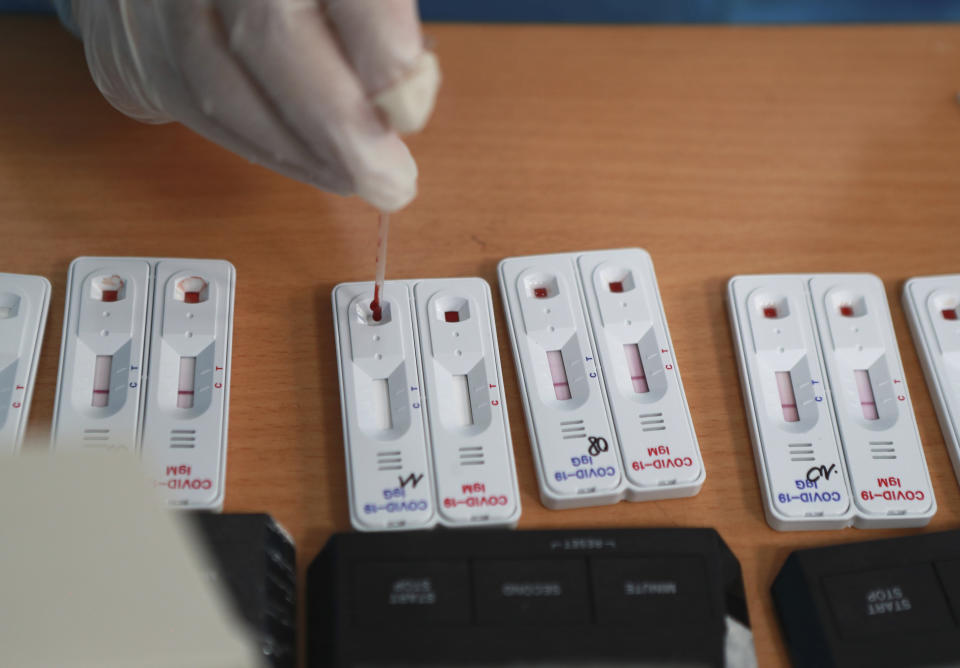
635, 366
788, 400
558, 373
868, 402
101, 381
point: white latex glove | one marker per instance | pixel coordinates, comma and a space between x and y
314, 89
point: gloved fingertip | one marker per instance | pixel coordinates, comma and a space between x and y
408, 104
389, 190
388, 201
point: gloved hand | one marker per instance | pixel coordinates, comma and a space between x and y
314, 89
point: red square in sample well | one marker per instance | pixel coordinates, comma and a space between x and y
110, 295
540, 293
769, 311
451, 316
616, 286
191, 297
846, 310
949, 313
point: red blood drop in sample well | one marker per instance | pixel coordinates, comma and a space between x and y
191, 297
375, 305
769, 311
451, 316
109, 295
540, 293
846, 310
949, 313
616, 286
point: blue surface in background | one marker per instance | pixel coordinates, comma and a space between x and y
692, 11
659, 11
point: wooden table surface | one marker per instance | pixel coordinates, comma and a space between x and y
720, 150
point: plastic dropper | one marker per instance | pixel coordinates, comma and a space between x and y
375, 305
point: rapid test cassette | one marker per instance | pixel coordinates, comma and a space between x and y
834, 436
425, 424
145, 367
932, 304
24, 302
605, 407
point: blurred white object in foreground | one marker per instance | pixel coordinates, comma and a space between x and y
94, 572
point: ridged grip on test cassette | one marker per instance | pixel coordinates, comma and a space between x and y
653, 424
572, 437
469, 433
389, 473
99, 388
887, 468
796, 446
184, 438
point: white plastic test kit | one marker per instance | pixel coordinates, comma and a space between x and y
605, 407
145, 366
425, 426
932, 304
24, 302
834, 436
797, 448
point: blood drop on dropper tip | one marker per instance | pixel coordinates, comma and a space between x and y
375, 304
